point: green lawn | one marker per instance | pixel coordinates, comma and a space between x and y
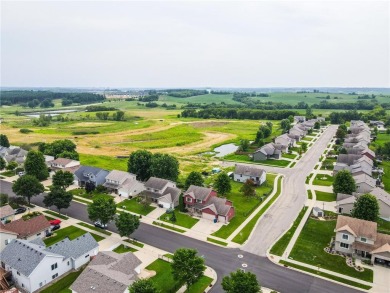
8, 173
308, 178
308, 138
134, 242
62, 285
310, 245
289, 156
94, 228
323, 180
105, 162
123, 249
325, 275
168, 227
386, 176
244, 234
309, 194
134, 206
90, 196
325, 196
182, 219
164, 279
55, 214
244, 207
71, 232
247, 159
281, 245
383, 226
216, 241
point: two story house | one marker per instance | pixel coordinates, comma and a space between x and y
269, 151
64, 164
204, 202
163, 192
360, 238
93, 175
284, 139
123, 183
242, 173
33, 265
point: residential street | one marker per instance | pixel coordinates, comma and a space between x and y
223, 260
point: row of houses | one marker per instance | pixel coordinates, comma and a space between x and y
18, 155
282, 143
359, 161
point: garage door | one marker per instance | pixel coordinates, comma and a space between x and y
164, 204
208, 216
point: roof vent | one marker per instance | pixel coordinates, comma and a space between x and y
19, 259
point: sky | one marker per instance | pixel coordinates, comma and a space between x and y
177, 44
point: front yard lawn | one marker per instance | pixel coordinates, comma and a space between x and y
244, 207
91, 196
309, 248
62, 285
134, 206
124, 248
182, 219
325, 196
247, 159
71, 232
383, 226
289, 156
8, 173
323, 180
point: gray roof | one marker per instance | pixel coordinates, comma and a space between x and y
24, 256
381, 195
173, 192
38, 241
198, 192
218, 205
348, 159
74, 248
156, 183
317, 209
248, 171
116, 175
88, 170
108, 272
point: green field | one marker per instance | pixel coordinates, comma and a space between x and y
247, 159
104, 162
310, 250
244, 207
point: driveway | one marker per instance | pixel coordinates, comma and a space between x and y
282, 214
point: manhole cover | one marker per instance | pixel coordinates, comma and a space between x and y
240, 256
244, 265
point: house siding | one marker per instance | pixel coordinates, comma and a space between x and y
259, 157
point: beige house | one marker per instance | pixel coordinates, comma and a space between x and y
360, 238
7, 214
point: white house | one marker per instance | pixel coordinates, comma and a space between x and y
123, 183
163, 192
63, 163
242, 173
6, 237
33, 265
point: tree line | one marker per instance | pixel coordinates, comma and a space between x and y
238, 114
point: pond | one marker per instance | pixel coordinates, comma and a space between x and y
52, 113
225, 149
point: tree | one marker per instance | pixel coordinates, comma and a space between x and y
309, 113
194, 178
35, 165
4, 141
62, 179
366, 207
173, 217
248, 189
47, 103
139, 163
143, 286
69, 155
3, 199
58, 197
164, 166
304, 147
182, 206
266, 130
259, 136
222, 183
58, 148
187, 267
317, 125
343, 151
126, 224
89, 187
285, 124
118, 116
239, 281
344, 183
12, 165
340, 133
244, 145
102, 209
28, 186
3, 164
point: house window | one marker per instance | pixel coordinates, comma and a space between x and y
40, 284
6, 241
38, 234
345, 236
86, 256
188, 199
240, 175
199, 201
363, 239
54, 266
344, 245
54, 276
17, 273
68, 262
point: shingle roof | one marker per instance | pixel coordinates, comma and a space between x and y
87, 170
381, 195
74, 248
108, 272
171, 194
24, 256
156, 183
6, 211
116, 175
248, 171
362, 228
28, 228
62, 161
364, 178
198, 192
348, 159
218, 205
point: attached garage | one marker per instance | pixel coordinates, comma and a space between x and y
208, 214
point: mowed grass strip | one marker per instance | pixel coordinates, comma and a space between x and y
280, 246
323, 180
94, 228
325, 196
168, 227
57, 215
243, 235
247, 159
325, 275
216, 241
124, 248
70, 232
134, 206
244, 206
309, 248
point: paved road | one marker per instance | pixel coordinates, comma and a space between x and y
223, 260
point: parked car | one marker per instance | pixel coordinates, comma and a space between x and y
20, 210
55, 227
21, 173
98, 224
48, 233
55, 222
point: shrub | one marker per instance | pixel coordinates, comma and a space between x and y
25, 130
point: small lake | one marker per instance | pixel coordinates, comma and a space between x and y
225, 149
52, 113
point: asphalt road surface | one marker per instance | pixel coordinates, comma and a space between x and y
222, 260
